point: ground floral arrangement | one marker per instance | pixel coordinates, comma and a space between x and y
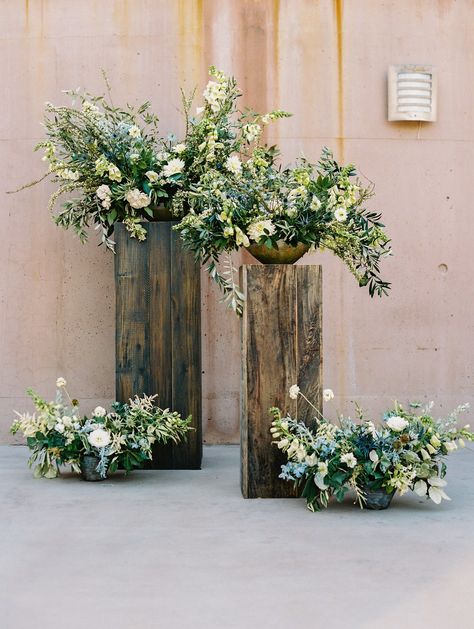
404, 453
226, 187
121, 438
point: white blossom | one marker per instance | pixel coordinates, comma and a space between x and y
328, 395
340, 214
134, 131
173, 167
397, 423
294, 391
60, 382
234, 165
179, 148
349, 459
99, 438
99, 411
152, 176
137, 199
260, 228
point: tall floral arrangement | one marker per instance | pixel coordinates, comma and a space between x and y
237, 195
109, 164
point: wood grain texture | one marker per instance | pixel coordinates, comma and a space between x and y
158, 332
281, 346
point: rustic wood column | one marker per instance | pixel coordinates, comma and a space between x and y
158, 332
281, 346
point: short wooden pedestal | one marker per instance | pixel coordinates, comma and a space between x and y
281, 346
158, 331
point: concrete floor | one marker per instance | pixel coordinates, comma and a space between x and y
183, 550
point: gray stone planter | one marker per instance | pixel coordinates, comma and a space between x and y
89, 463
377, 499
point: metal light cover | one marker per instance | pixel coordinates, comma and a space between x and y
412, 93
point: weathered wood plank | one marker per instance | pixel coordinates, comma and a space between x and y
281, 341
159, 333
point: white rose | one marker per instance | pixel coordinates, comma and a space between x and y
60, 382
294, 391
397, 423
103, 192
328, 395
99, 411
173, 167
99, 438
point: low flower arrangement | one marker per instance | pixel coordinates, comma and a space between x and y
119, 439
239, 196
404, 453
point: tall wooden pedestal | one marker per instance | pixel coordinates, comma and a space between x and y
281, 346
158, 332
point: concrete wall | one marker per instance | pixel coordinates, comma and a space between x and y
324, 60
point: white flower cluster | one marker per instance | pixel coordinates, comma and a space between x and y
134, 131
260, 228
103, 193
214, 95
137, 199
251, 132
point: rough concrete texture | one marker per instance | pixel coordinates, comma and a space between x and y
183, 549
324, 60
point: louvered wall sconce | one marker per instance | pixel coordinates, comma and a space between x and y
412, 93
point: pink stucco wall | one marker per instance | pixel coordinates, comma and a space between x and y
324, 60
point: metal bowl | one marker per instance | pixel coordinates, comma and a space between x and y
285, 254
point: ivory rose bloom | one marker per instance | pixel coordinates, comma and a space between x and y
99, 438
397, 423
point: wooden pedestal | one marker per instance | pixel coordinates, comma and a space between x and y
158, 332
281, 346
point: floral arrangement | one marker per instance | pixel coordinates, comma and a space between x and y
405, 453
110, 162
237, 196
121, 438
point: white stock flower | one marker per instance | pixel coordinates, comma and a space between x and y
214, 95
340, 214
373, 456
397, 423
260, 228
328, 395
349, 459
99, 438
114, 173
99, 411
137, 199
152, 176
59, 427
294, 391
134, 131
234, 165
179, 148
60, 382
173, 167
